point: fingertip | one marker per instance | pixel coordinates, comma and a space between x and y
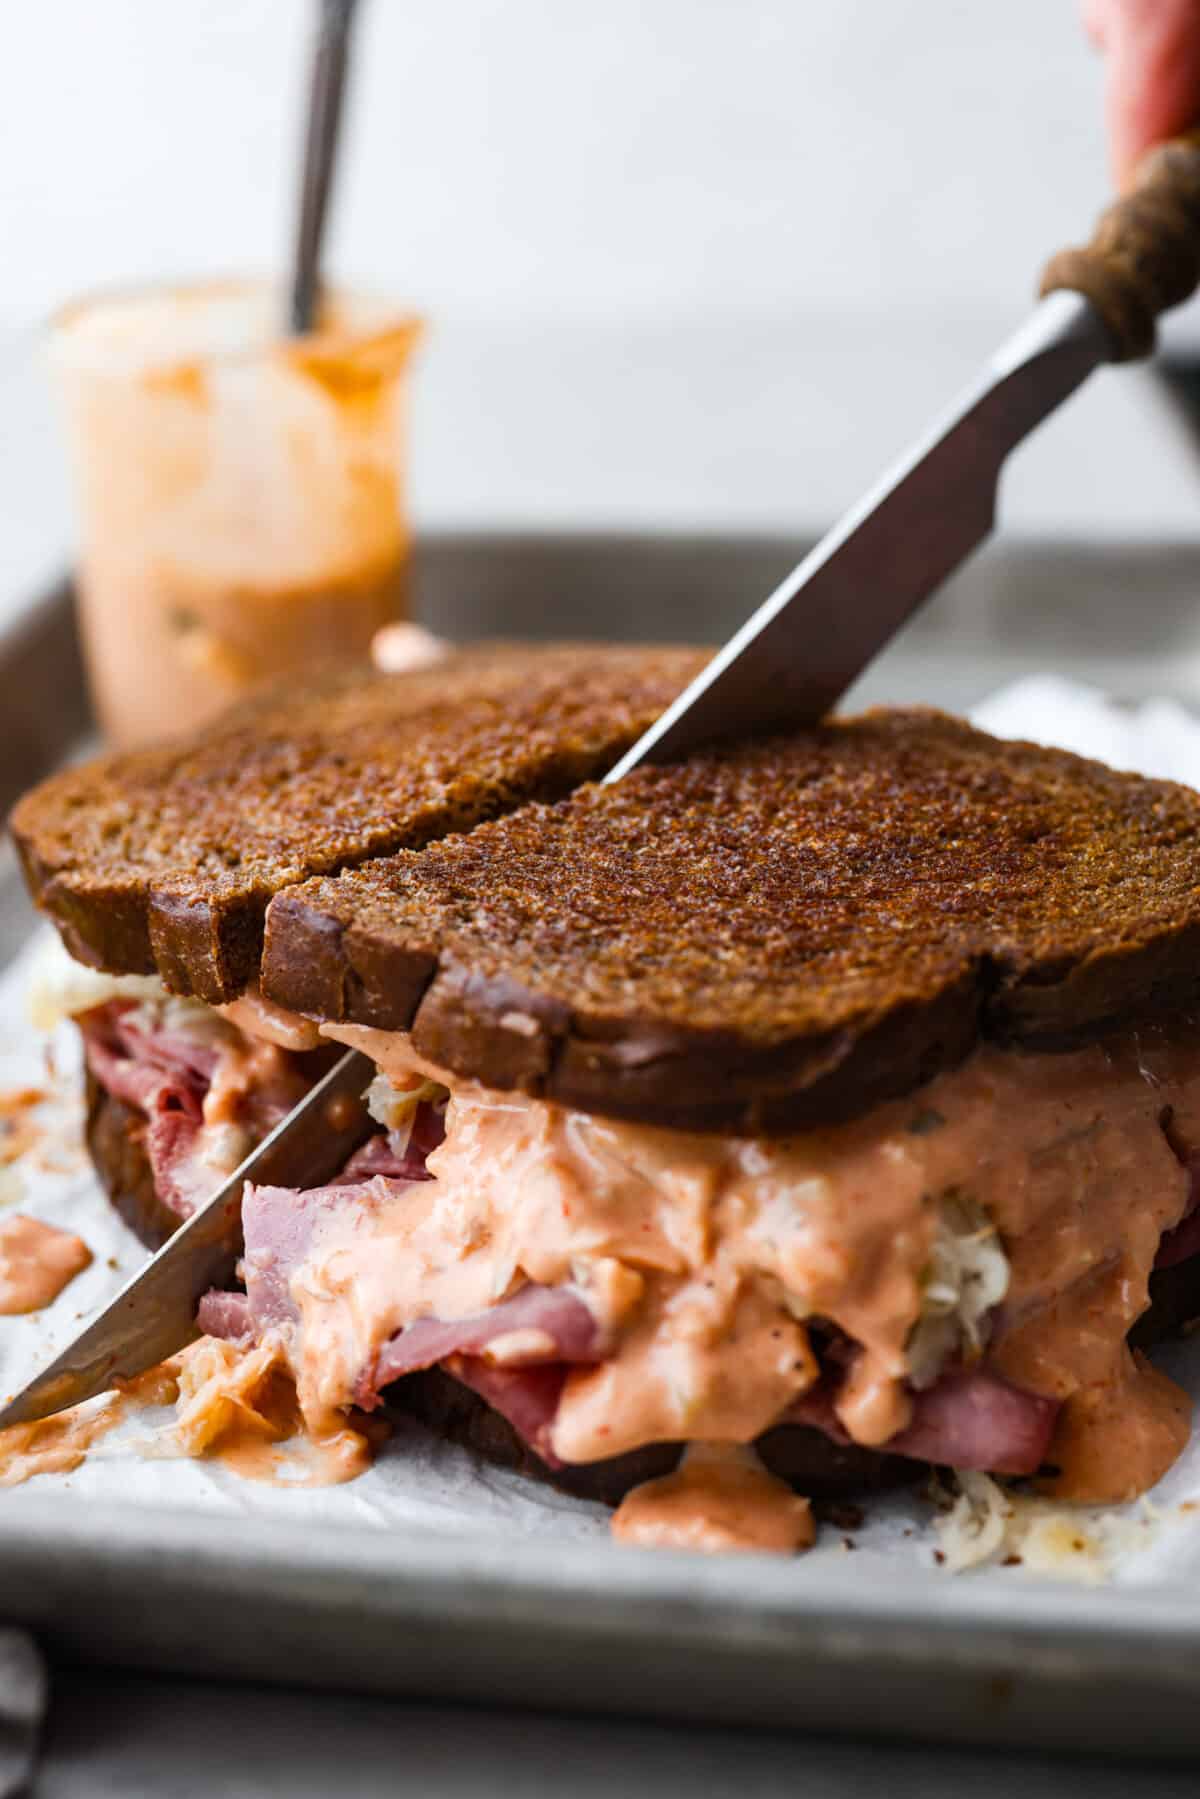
1095, 21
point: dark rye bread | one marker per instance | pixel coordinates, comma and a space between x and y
809, 1460
165, 859
770, 936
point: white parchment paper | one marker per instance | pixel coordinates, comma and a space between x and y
418, 1484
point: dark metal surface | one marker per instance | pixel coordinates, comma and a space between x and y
154, 1314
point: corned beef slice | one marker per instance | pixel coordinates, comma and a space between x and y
226, 1315
556, 1313
969, 1419
378, 1155
165, 1073
527, 1397
168, 1086
1184, 1241
278, 1225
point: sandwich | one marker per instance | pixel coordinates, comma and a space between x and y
157, 867
762, 1127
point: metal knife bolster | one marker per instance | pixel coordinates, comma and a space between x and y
154, 1314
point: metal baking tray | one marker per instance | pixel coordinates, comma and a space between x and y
820, 1645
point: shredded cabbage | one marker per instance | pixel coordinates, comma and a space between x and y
61, 988
396, 1107
987, 1525
967, 1278
185, 1018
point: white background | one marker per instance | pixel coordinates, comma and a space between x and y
654, 159
687, 263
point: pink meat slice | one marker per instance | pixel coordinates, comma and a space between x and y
166, 1074
1183, 1242
226, 1315
156, 1045
557, 1314
169, 1093
279, 1224
527, 1397
970, 1419
118, 1057
379, 1154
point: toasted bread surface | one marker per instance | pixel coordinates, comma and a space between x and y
770, 936
165, 859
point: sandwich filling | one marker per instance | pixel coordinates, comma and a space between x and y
203, 1084
208, 1090
951, 1278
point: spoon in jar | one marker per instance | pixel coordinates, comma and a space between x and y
331, 55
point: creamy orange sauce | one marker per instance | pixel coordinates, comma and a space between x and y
55, 1445
244, 1067
36, 1262
719, 1498
403, 646
262, 1019
703, 1256
19, 1130
60, 1444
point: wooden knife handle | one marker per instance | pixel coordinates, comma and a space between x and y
1145, 252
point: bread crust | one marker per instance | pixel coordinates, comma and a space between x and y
771, 937
164, 860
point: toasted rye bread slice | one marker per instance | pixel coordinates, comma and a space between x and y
771, 936
165, 859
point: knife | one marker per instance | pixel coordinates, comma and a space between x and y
789, 664
154, 1314
794, 658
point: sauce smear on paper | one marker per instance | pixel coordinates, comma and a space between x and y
36, 1263
720, 1497
232, 1405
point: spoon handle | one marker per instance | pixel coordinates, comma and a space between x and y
330, 60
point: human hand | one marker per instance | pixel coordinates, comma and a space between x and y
1152, 49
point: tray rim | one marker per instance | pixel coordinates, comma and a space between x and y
578, 1627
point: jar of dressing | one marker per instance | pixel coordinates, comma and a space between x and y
241, 494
